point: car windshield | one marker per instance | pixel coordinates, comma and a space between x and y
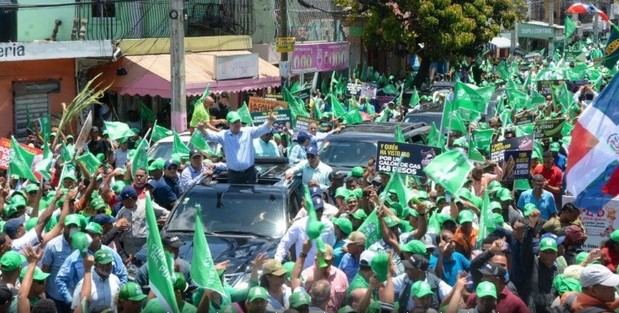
238, 209
164, 150
425, 118
347, 153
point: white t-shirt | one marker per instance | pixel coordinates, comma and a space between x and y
30, 238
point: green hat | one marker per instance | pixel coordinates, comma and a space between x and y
73, 219
118, 186
343, 224
418, 196
528, 209
361, 215
31, 187
342, 192
158, 164
11, 261
563, 284
233, 117
357, 171
98, 204
410, 212
18, 201
548, 243
104, 256
414, 247
494, 186
486, 289
357, 192
256, 293
299, 298
132, 292
391, 221
31, 223
442, 218
37, 275
94, 228
614, 236
179, 282
277, 136
495, 205
504, 194
288, 266
80, 241
9, 210
346, 309
380, 266
465, 216
581, 257
555, 147
498, 219
421, 289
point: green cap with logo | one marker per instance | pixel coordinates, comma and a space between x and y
11, 261
548, 244
359, 214
94, 228
495, 206
131, 292
465, 216
257, 293
414, 247
233, 117
421, 289
504, 194
344, 224
299, 298
31, 188
37, 275
73, 219
158, 164
486, 289
104, 256
80, 241
357, 171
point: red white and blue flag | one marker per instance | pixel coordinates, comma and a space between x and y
593, 156
586, 8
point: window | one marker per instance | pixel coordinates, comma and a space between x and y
103, 8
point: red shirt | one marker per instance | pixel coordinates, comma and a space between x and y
507, 302
554, 176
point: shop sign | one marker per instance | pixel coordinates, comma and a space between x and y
319, 57
236, 66
47, 50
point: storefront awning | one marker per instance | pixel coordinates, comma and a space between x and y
150, 74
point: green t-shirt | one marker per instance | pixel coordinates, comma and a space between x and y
357, 282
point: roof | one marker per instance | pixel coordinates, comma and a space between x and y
374, 131
150, 75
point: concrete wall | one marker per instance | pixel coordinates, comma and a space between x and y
264, 15
38, 23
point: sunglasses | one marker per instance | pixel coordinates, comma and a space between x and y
311, 156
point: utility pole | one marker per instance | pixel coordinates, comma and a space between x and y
283, 31
177, 64
551, 21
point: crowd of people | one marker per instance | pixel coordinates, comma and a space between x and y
76, 242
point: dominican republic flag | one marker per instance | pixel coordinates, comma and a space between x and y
584, 8
593, 156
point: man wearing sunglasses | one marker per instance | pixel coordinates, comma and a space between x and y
313, 169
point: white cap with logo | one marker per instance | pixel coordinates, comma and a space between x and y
597, 274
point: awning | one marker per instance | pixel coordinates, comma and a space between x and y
150, 75
501, 42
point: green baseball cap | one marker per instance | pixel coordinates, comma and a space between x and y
98, 204
344, 224
555, 147
421, 289
360, 214
414, 247
495, 205
391, 221
581, 257
31, 187
233, 117
104, 256
548, 244
528, 209
18, 201
342, 192
37, 275
94, 228
486, 289
73, 219
380, 266
357, 171
442, 218
288, 266
498, 219
256, 293
494, 186
614, 236
179, 282
131, 292
118, 186
80, 241
504, 194
31, 223
465, 216
9, 210
299, 298
563, 284
11, 261
158, 164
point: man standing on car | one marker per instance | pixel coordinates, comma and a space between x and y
238, 146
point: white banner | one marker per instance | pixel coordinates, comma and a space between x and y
46, 50
599, 225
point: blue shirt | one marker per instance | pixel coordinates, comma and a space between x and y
72, 271
456, 263
189, 176
349, 265
297, 154
338, 252
162, 193
54, 255
545, 204
266, 148
238, 148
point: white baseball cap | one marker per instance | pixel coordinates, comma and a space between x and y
366, 257
597, 274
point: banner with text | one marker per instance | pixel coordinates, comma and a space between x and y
303, 123
258, 104
548, 128
405, 158
282, 121
598, 225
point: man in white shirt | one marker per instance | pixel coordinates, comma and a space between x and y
296, 235
312, 168
102, 289
417, 270
265, 146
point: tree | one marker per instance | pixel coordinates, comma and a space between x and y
435, 29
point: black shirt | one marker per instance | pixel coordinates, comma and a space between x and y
219, 111
99, 146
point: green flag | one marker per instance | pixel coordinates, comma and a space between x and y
474, 154
353, 117
450, 169
90, 162
44, 166
197, 141
139, 160
371, 229
245, 115
337, 107
20, 161
414, 101
435, 139
472, 97
117, 130
203, 271
503, 71
396, 185
486, 222
570, 27
314, 227
159, 275
178, 146
146, 113
525, 129
200, 113
65, 153
45, 127
611, 52
159, 132
398, 136
448, 108
483, 138
457, 124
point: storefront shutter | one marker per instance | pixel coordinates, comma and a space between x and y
31, 100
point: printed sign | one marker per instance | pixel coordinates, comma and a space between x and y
5, 152
517, 164
319, 57
258, 104
284, 44
548, 128
408, 159
598, 225
368, 91
497, 150
236, 66
45, 50
282, 120
303, 123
